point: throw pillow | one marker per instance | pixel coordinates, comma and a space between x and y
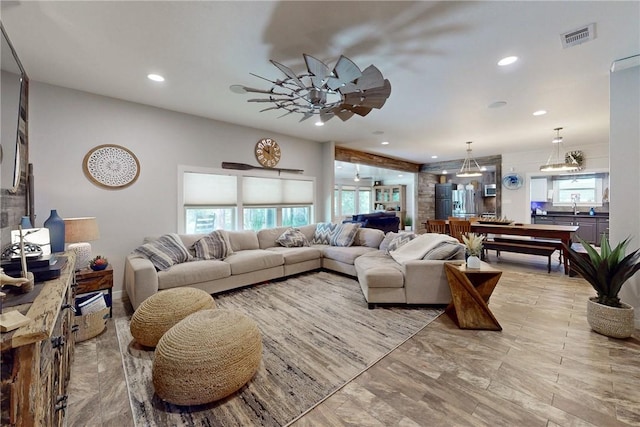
214, 245
164, 252
344, 234
388, 238
444, 251
292, 238
322, 236
400, 240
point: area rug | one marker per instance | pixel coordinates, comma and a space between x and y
317, 334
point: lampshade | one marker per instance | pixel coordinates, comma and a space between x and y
466, 171
556, 163
78, 232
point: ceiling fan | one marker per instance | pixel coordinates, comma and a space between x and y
343, 91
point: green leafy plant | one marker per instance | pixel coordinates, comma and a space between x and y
606, 271
408, 221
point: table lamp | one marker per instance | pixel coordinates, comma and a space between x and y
78, 232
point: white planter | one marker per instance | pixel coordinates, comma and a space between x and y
610, 321
407, 228
473, 262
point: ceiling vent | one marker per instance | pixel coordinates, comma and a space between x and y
578, 36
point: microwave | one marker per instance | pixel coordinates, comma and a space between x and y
490, 190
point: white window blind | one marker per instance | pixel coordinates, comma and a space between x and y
203, 189
260, 191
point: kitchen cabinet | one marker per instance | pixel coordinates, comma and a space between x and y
444, 201
590, 227
390, 198
538, 189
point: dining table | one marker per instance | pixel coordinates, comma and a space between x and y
564, 233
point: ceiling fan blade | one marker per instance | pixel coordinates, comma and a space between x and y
319, 70
345, 71
251, 89
289, 73
371, 78
261, 100
269, 108
344, 115
361, 111
354, 98
305, 117
325, 116
287, 113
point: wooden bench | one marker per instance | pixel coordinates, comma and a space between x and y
522, 248
557, 244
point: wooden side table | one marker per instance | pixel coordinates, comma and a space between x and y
91, 281
470, 292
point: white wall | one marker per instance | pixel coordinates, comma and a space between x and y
65, 124
625, 174
515, 203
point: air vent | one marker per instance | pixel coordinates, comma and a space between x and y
578, 36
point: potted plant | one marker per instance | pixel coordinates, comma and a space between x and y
407, 223
473, 243
606, 272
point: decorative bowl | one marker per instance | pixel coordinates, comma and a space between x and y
98, 267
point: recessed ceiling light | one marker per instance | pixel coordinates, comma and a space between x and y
400, 175
507, 61
319, 123
444, 172
385, 143
338, 167
540, 113
434, 157
155, 77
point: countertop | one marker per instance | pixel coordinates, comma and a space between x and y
571, 214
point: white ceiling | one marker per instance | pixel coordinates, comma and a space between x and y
440, 58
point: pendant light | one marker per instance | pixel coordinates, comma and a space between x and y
466, 170
556, 162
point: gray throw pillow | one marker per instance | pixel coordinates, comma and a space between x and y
323, 233
344, 234
292, 238
164, 252
388, 238
400, 239
214, 245
444, 251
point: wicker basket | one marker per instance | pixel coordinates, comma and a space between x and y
91, 324
610, 321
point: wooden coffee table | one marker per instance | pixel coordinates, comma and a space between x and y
470, 292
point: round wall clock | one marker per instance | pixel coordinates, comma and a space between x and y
111, 166
512, 181
268, 152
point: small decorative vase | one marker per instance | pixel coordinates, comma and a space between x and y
613, 322
25, 222
473, 262
55, 224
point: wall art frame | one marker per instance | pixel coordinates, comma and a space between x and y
111, 166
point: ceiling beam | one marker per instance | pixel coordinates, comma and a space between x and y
353, 156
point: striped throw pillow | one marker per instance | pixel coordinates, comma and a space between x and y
322, 236
292, 238
214, 245
164, 252
344, 234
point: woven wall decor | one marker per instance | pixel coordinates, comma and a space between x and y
111, 166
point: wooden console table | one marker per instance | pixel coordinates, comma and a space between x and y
470, 292
36, 358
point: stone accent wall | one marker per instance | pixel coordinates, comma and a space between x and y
426, 200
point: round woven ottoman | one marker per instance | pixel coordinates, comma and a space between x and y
206, 357
158, 313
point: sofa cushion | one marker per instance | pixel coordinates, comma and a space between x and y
214, 245
193, 272
267, 236
296, 255
250, 260
322, 235
292, 238
165, 251
388, 238
243, 240
400, 240
419, 247
379, 270
346, 255
370, 237
344, 235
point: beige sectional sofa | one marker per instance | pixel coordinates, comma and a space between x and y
258, 257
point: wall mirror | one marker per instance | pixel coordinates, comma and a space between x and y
13, 113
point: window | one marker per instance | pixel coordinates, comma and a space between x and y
350, 200
581, 191
214, 200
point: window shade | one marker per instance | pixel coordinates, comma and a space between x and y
210, 190
274, 191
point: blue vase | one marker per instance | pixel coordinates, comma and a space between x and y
25, 222
55, 224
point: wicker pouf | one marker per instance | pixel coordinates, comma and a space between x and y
158, 313
206, 357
